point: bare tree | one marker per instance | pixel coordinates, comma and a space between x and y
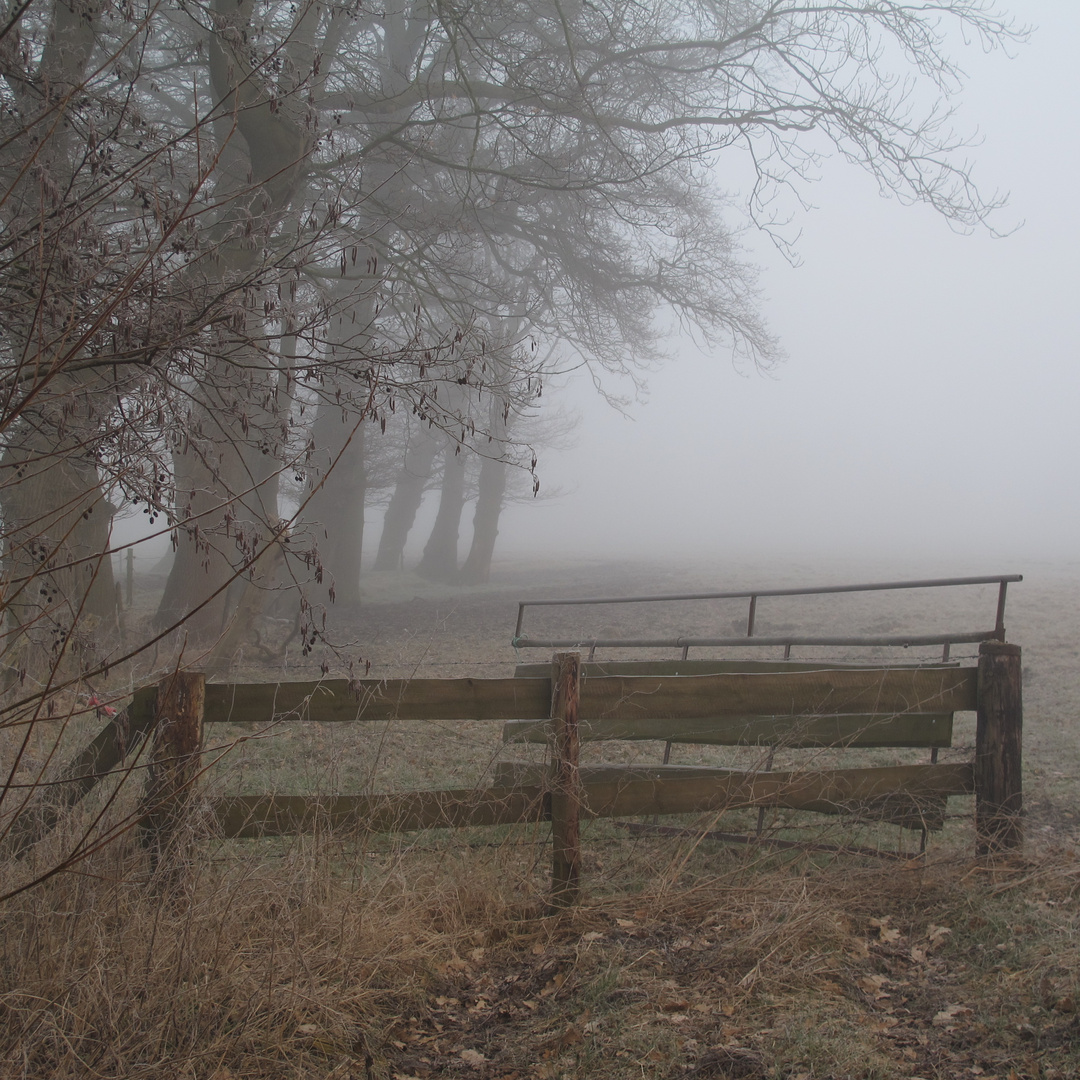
418, 456
162, 334
554, 162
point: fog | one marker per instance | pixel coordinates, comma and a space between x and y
923, 414
926, 405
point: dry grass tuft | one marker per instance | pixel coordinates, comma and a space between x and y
314, 960
252, 966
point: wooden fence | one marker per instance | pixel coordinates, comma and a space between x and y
773, 704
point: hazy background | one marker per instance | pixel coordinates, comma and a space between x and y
927, 406
925, 415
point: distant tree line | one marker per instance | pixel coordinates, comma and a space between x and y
261, 261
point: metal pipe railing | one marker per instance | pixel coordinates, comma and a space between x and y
753, 595
906, 640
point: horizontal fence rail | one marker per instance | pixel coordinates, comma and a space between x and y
255, 816
788, 641
610, 697
857, 730
379, 700
963, 637
604, 794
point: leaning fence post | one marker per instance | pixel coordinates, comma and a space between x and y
175, 760
999, 791
565, 779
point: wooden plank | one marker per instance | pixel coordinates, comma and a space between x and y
881, 691
834, 690
116, 740
253, 816
797, 732
337, 700
832, 791
529, 774
926, 810
769, 840
829, 791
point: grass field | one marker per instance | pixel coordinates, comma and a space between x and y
433, 954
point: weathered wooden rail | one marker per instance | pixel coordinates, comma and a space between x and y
790, 705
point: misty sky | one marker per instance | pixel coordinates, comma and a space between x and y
928, 402
926, 410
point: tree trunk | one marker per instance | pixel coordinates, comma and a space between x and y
227, 489
439, 562
59, 589
226, 492
336, 510
409, 490
489, 505
491, 491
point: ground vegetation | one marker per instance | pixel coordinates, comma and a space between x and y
435, 954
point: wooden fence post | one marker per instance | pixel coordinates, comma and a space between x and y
565, 779
175, 759
999, 798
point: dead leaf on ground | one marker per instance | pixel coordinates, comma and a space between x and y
937, 934
883, 931
884, 1023
675, 1005
950, 1014
571, 1037
874, 985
